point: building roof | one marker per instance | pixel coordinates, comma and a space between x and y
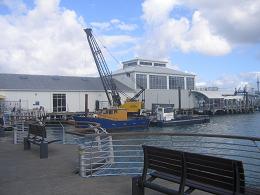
151, 69
53, 83
142, 59
233, 97
211, 94
219, 95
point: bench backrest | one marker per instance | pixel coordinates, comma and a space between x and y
213, 171
37, 130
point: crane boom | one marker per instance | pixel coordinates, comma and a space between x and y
103, 70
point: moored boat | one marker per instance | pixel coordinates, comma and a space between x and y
167, 117
115, 119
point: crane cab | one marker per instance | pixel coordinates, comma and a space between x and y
132, 107
117, 114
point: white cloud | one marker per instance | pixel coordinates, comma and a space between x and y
237, 21
44, 40
115, 40
127, 27
156, 12
165, 33
48, 39
230, 82
113, 24
101, 25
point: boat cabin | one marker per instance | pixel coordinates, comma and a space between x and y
164, 114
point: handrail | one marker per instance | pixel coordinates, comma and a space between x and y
127, 152
179, 134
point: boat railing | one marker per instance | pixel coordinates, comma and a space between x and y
123, 155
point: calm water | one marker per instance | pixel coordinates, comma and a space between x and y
237, 124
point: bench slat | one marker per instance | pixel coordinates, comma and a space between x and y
166, 159
166, 170
165, 164
210, 176
206, 168
37, 130
208, 173
190, 183
209, 162
171, 154
210, 181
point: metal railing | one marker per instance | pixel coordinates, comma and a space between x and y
100, 155
55, 130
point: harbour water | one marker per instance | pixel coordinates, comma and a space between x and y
236, 124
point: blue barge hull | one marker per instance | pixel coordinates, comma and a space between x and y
116, 125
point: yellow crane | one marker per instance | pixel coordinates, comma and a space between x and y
131, 105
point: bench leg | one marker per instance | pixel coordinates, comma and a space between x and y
26, 144
189, 190
137, 189
44, 150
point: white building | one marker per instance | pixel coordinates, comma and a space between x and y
161, 83
54, 93
77, 94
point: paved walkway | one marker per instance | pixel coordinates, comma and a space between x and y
24, 173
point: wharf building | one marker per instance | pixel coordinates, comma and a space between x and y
53, 94
160, 83
57, 94
210, 100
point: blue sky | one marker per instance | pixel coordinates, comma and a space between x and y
218, 41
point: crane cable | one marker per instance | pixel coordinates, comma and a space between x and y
115, 59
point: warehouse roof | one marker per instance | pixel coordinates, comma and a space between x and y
218, 95
53, 83
210, 94
151, 69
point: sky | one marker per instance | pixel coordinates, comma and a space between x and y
218, 41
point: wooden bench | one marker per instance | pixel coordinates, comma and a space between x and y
191, 171
37, 135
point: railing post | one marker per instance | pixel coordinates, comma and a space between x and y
91, 159
63, 133
15, 135
82, 170
22, 126
98, 140
111, 150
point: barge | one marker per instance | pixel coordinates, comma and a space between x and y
115, 119
167, 117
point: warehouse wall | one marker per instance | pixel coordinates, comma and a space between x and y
75, 101
158, 96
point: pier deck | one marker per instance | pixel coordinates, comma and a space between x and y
23, 172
